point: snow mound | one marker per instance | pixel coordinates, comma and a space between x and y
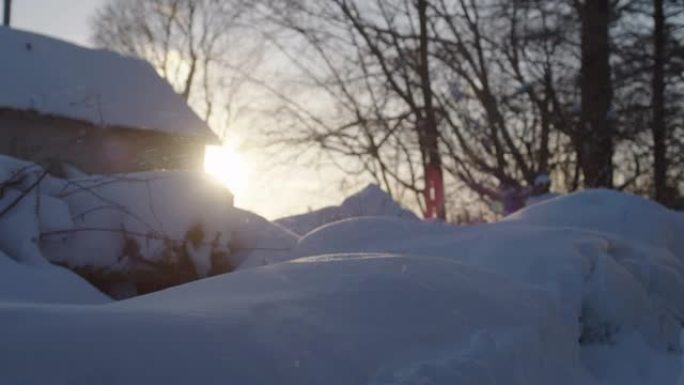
624, 215
641, 282
336, 320
20, 283
54, 77
372, 234
610, 261
259, 242
371, 201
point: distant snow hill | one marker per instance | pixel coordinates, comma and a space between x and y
371, 201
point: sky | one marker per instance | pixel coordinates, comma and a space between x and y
270, 191
65, 19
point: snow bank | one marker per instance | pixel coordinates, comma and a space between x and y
371, 201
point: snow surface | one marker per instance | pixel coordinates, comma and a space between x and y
53, 77
611, 212
370, 201
612, 262
343, 319
24, 284
580, 289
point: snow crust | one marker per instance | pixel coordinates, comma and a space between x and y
54, 77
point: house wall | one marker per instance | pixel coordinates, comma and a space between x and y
98, 150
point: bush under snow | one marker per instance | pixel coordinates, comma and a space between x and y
130, 233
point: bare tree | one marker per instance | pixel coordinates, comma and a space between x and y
7, 13
658, 129
507, 75
595, 134
402, 74
480, 96
189, 42
647, 86
377, 88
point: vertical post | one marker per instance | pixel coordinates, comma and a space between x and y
432, 161
434, 193
658, 123
7, 13
596, 131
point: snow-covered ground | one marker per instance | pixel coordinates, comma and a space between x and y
580, 289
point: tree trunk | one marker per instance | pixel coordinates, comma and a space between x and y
595, 134
432, 161
7, 13
658, 129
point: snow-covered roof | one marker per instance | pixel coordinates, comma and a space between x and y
54, 77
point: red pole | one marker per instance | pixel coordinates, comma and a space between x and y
434, 193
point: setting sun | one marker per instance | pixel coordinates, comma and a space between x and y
226, 165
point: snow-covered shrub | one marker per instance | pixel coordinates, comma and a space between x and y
159, 228
172, 264
130, 234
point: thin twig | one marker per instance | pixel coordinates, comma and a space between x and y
149, 235
23, 194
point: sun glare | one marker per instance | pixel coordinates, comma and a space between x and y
226, 165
